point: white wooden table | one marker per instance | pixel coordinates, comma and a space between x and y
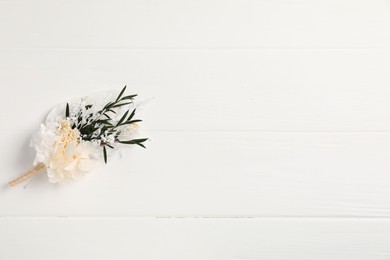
269, 121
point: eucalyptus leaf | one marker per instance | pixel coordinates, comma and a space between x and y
131, 115
122, 104
123, 118
105, 154
67, 110
131, 122
131, 97
120, 94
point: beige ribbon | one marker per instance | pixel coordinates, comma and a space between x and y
34, 171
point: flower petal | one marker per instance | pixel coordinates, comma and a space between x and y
86, 165
71, 165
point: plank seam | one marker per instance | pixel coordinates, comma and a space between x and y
286, 218
198, 49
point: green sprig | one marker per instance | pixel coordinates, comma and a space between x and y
106, 124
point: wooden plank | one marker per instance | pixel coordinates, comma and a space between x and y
214, 239
209, 90
215, 174
194, 24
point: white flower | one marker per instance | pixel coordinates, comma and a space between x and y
71, 161
65, 156
43, 142
71, 158
108, 138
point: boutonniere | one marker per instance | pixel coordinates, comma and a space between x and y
79, 134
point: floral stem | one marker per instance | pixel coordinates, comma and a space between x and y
34, 171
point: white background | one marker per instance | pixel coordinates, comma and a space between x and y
269, 124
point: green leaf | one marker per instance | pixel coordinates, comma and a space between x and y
135, 141
123, 104
131, 115
110, 110
87, 129
107, 116
109, 104
105, 154
143, 146
120, 94
131, 122
104, 122
140, 140
123, 118
131, 97
67, 110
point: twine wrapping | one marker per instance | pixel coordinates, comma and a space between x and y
34, 171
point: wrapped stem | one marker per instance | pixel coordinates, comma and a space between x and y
34, 171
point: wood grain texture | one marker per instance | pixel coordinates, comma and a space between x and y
217, 174
194, 24
269, 125
210, 90
206, 239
